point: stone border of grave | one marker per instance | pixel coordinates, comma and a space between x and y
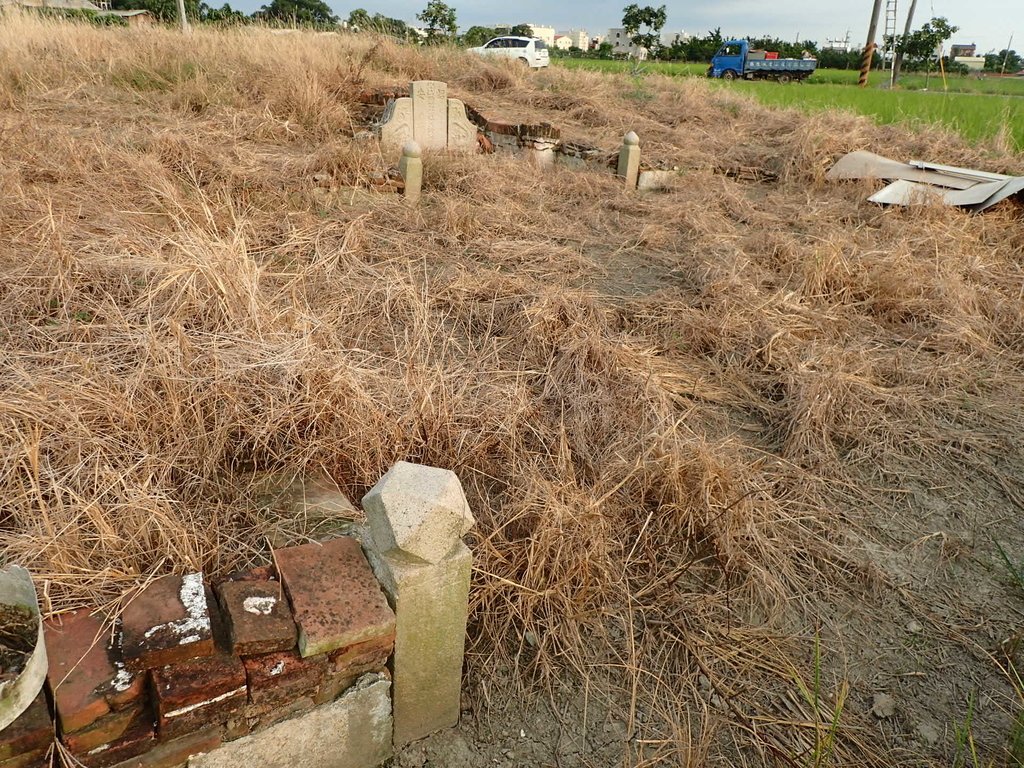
417, 115
337, 653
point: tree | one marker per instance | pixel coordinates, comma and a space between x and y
476, 36
921, 48
306, 12
223, 15
361, 21
643, 26
439, 20
521, 30
995, 62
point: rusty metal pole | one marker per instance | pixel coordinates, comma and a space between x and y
869, 48
897, 63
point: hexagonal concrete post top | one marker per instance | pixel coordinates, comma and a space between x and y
418, 510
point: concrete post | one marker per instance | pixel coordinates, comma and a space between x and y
410, 167
629, 159
417, 516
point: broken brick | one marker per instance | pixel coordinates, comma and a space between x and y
36, 759
176, 752
257, 615
198, 693
276, 678
101, 746
31, 732
332, 687
85, 679
336, 600
168, 622
361, 657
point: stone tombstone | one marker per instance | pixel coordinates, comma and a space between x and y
430, 114
461, 130
398, 122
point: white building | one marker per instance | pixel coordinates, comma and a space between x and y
973, 63
547, 34
619, 39
580, 39
668, 39
563, 42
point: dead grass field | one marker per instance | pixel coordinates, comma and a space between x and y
740, 452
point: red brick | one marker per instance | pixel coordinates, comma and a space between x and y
198, 693
332, 687
139, 737
276, 678
107, 729
86, 680
259, 573
32, 731
176, 752
362, 657
167, 622
37, 759
335, 597
257, 615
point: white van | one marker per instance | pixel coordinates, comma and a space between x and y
532, 51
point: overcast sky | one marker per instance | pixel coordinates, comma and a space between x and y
988, 23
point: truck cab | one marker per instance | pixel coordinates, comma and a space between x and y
728, 61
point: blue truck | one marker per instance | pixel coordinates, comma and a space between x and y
735, 60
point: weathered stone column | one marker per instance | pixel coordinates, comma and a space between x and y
410, 167
629, 159
417, 516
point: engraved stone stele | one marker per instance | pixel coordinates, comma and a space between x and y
429, 118
461, 131
430, 114
398, 125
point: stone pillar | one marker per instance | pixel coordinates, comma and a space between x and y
417, 516
411, 169
629, 159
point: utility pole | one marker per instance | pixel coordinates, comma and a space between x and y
869, 48
1007, 56
185, 28
897, 63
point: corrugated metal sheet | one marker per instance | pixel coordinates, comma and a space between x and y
921, 183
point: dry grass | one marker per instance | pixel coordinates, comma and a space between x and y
668, 472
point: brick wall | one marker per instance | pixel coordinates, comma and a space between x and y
188, 666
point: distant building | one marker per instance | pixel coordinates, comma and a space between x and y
837, 44
973, 63
595, 41
547, 34
562, 42
580, 39
621, 45
956, 50
668, 39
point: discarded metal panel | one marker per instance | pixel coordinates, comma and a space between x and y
921, 183
19, 610
867, 165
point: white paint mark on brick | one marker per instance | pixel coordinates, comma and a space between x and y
123, 680
261, 606
278, 668
214, 700
197, 620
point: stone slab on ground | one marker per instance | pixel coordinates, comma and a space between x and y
198, 693
85, 681
336, 601
30, 732
352, 732
257, 616
168, 622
